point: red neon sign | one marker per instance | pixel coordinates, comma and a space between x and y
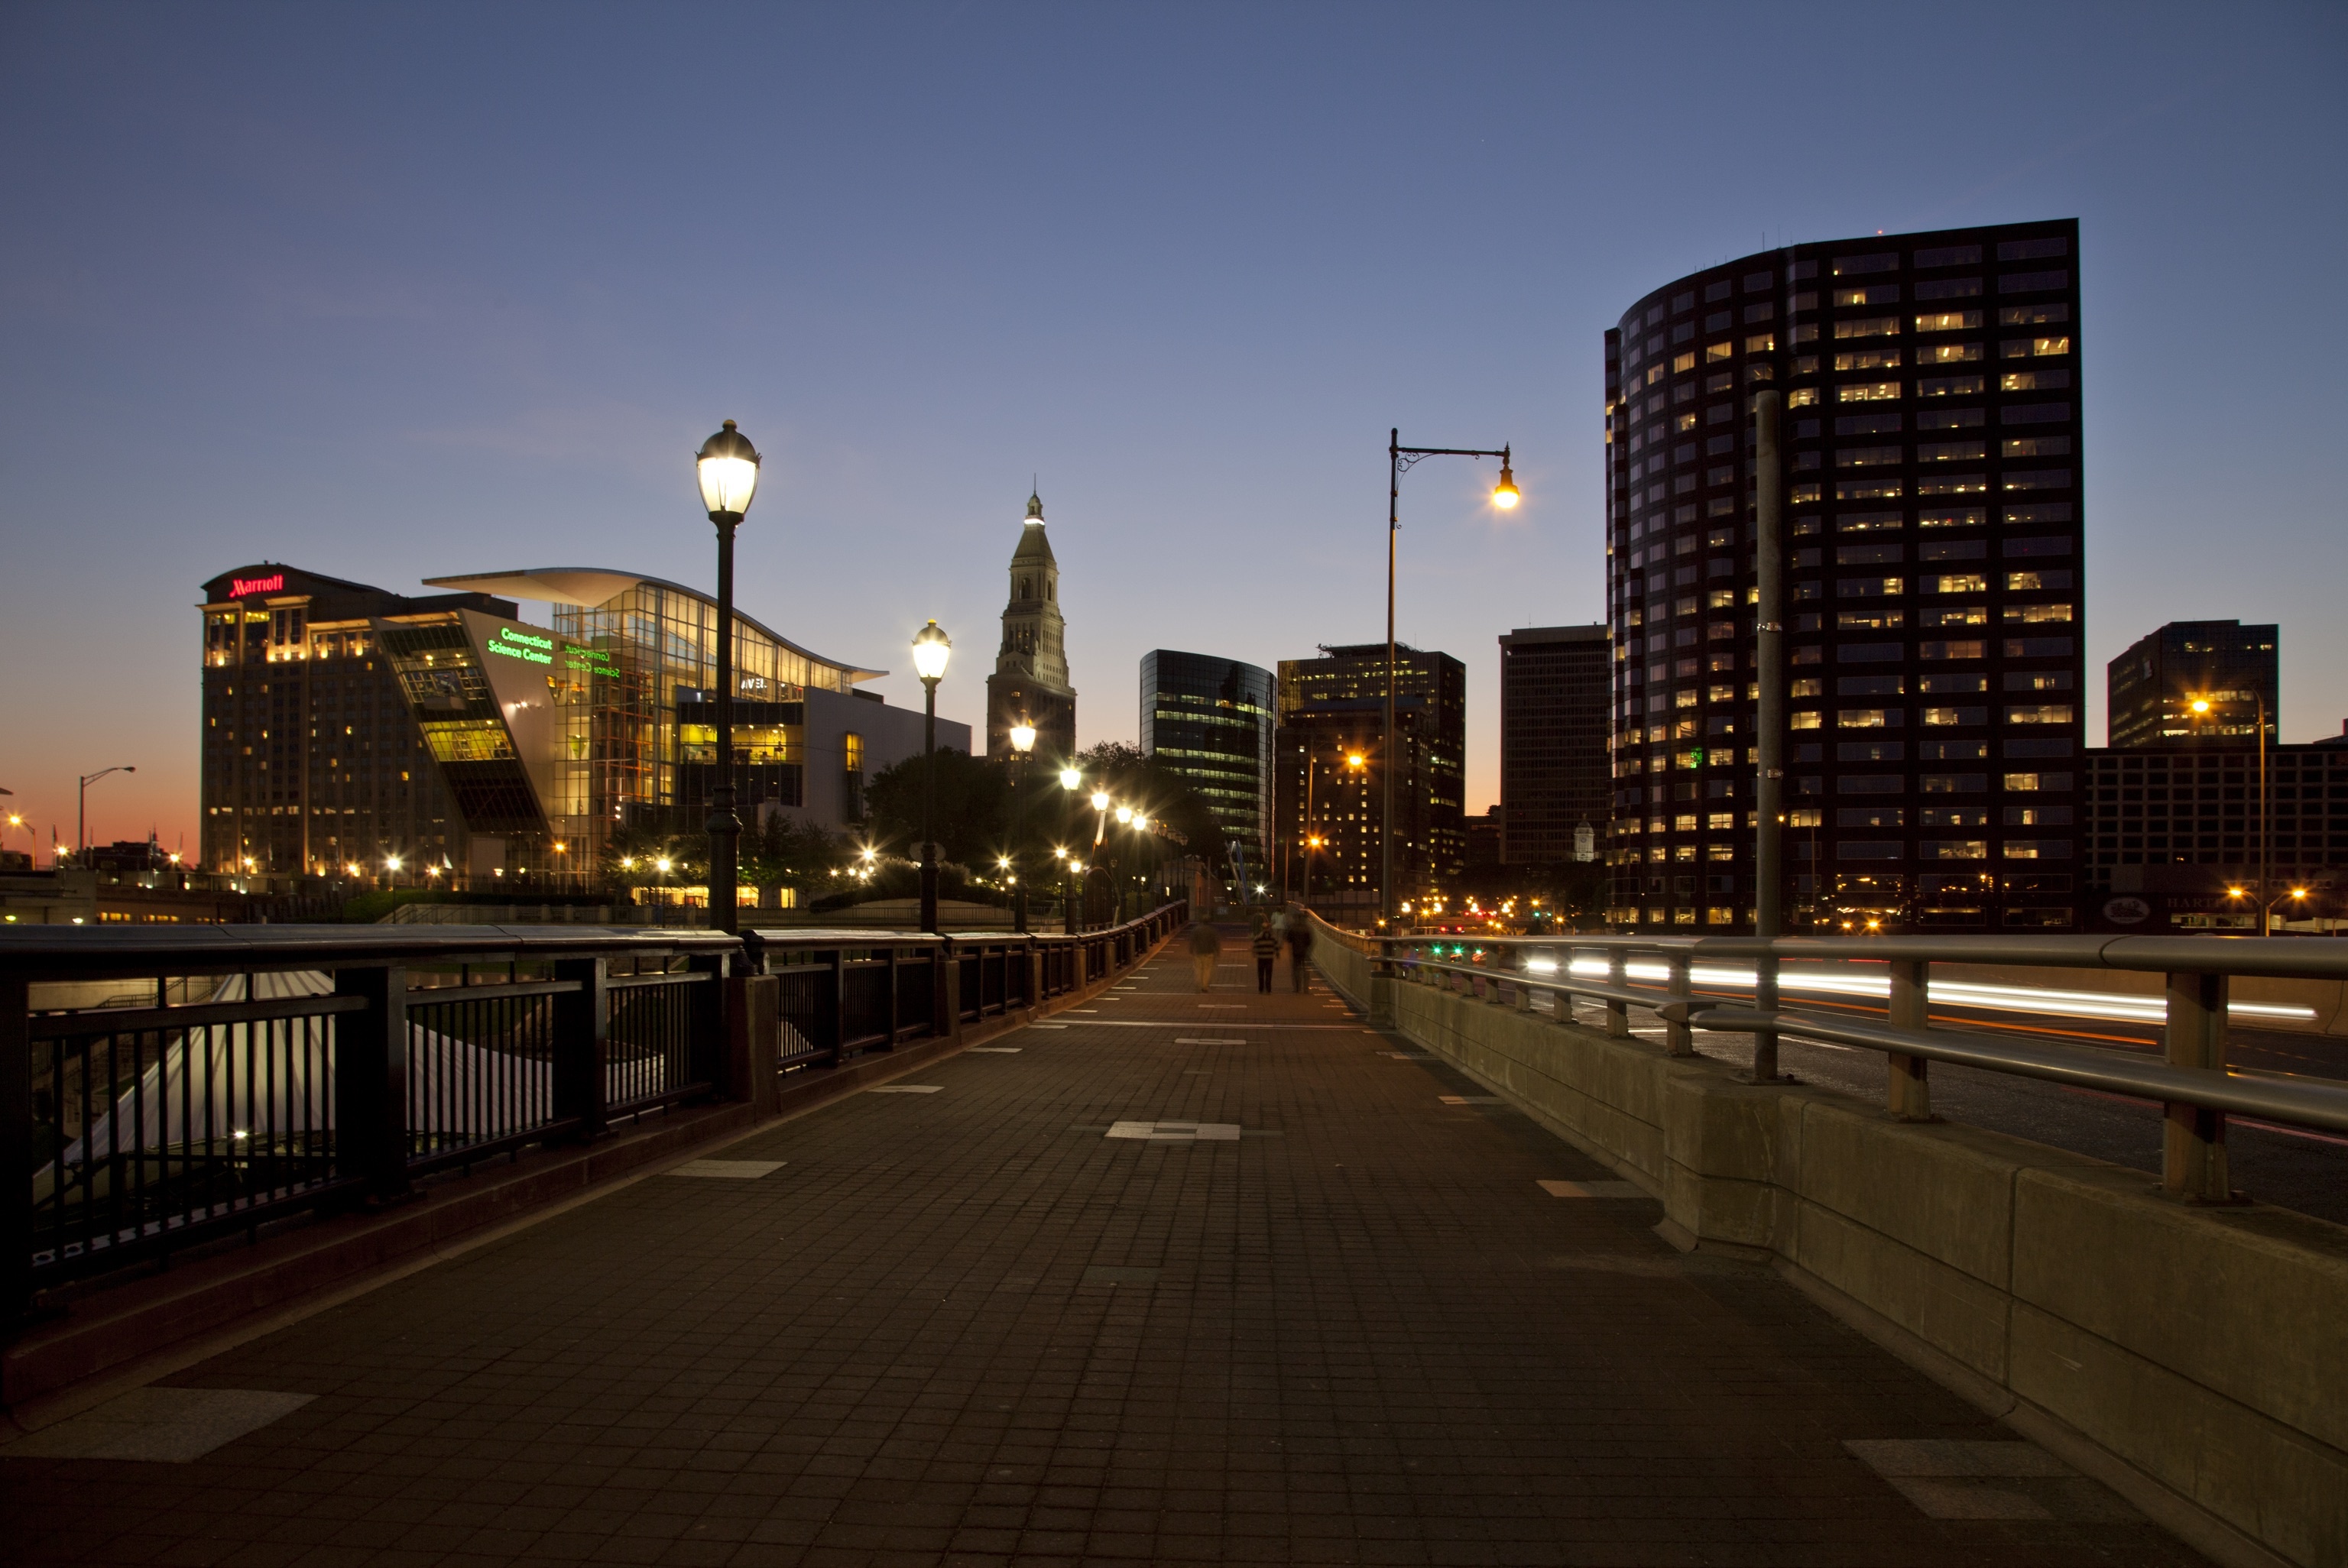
239, 586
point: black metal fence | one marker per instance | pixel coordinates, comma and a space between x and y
843, 993
284, 1069
311, 1066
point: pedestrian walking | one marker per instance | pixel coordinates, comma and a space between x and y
1267, 950
1299, 948
1206, 951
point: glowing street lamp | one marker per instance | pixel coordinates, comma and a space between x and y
931, 648
728, 466
1023, 745
2200, 706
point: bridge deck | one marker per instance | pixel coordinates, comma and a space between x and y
971, 1325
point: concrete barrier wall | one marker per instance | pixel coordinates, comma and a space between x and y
2195, 1358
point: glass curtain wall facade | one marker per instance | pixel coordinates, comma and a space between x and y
1211, 720
627, 707
1931, 444
2149, 689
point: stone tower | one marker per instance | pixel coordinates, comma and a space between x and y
1031, 668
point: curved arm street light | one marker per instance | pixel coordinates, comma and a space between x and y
728, 466
1400, 460
931, 648
81, 816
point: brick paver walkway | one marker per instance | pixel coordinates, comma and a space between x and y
971, 1327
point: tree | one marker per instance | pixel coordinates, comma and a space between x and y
973, 809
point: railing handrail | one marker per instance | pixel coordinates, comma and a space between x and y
2298, 1102
2296, 958
104, 952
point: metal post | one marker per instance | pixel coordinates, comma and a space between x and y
2193, 1137
1909, 1095
582, 1023
1018, 848
371, 1082
929, 805
1769, 670
1618, 1013
1386, 764
724, 827
16, 1136
1679, 1040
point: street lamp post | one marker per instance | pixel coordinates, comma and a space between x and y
1071, 781
1400, 460
1023, 743
930, 649
728, 469
2200, 706
81, 817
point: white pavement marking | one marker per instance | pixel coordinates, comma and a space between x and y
1192, 1040
998, 1049
168, 1425
1467, 1098
1178, 1131
728, 1170
1051, 1026
1593, 1189
906, 1088
1406, 1055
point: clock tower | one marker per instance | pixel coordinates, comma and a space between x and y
1031, 668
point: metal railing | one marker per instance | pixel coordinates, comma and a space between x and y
844, 993
233, 1077
306, 1067
1700, 976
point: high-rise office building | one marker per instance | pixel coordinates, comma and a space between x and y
1030, 683
2150, 689
1931, 446
312, 765
1210, 719
1555, 688
1333, 712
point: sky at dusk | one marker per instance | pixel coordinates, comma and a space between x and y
392, 292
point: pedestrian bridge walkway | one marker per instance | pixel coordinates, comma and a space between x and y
1164, 1277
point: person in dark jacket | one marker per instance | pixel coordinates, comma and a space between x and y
1267, 950
1299, 948
1206, 948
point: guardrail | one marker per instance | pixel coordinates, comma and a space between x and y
260, 1074
2192, 1082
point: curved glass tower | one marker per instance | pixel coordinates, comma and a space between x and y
1934, 615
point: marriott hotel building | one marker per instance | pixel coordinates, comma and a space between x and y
346, 726
1935, 618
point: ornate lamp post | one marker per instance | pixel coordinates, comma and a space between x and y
1400, 460
1023, 741
1071, 781
730, 478
930, 649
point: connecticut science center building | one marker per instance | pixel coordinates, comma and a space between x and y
346, 726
